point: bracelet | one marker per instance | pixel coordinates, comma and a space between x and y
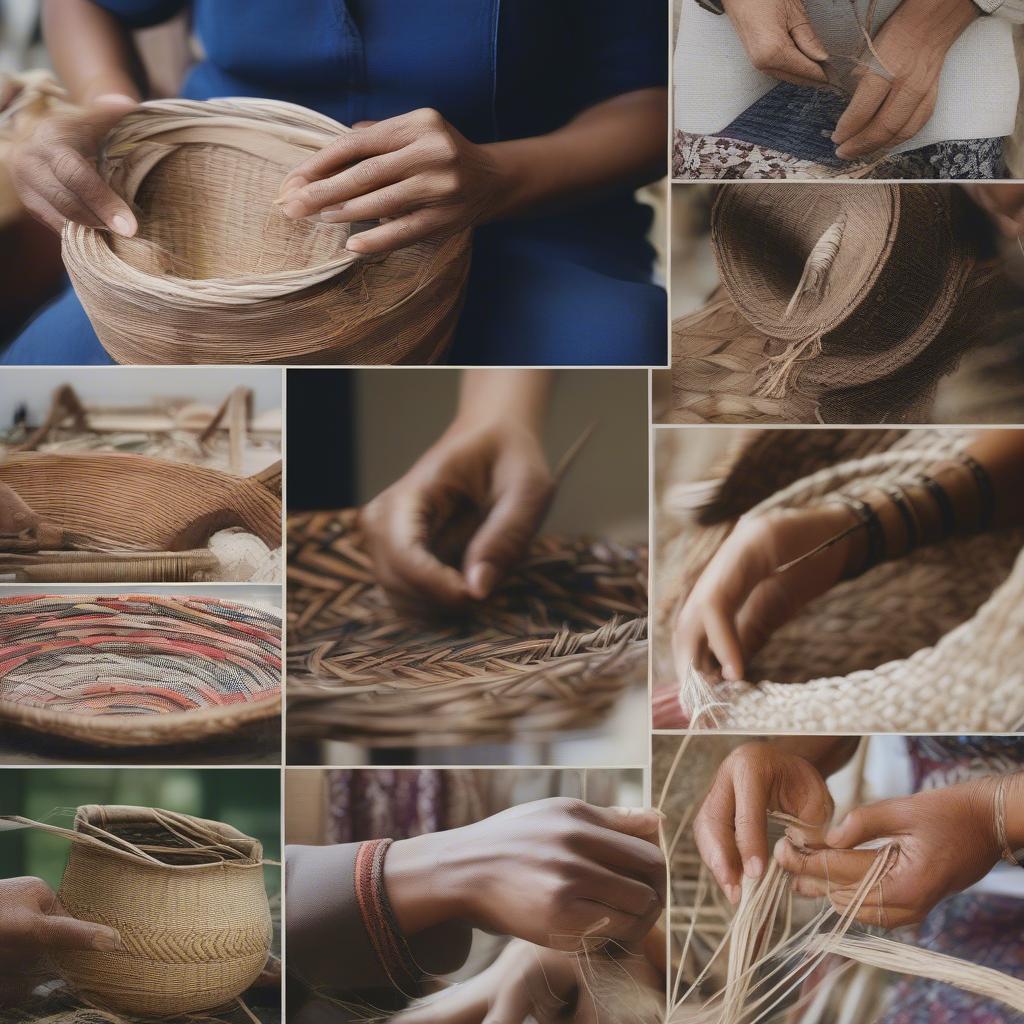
907, 514
872, 524
947, 514
1000, 813
986, 490
379, 917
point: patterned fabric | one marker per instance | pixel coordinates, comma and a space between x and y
941, 761
393, 803
716, 157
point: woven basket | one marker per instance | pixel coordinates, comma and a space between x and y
137, 670
929, 643
218, 274
119, 501
552, 650
188, 898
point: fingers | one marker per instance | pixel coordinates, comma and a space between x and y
55, 932
626, 854
642, 822
505, 535
462, 1004
780, 53
723, 640
901, 115
90, 192
822, 871
715, 833
399, 233
807, 40
751, 825
40, 209
874, 821
513, 1004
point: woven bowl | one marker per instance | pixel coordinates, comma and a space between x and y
137, 669
928, 643
195, 924
552, 650
218, 274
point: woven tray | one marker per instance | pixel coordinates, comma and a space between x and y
137, 670
552, 650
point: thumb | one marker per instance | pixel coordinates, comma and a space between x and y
803, 34
54, 932
504, 536
876, 821
364, 124
641, 822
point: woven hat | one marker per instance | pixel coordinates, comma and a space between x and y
837, 300
551, 650
137, 669
218, 274
187, 897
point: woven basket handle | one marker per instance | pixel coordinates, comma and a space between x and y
270, 478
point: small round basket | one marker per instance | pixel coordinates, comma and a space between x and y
188, 898
552, 650
218, 274
933, 642
138, 669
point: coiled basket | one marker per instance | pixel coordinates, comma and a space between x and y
933, 642
187, 897
218, 274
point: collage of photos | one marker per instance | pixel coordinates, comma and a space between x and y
511, 512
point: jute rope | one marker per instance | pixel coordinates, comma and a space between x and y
218, 274
137, 669
187, 897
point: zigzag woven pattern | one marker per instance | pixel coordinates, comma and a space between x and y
95, 664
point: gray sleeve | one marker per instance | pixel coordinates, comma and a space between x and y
328, 946
1011, 10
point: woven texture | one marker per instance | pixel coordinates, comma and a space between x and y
137, 670
218, 274
929, 643
553, 648
119, 501
839, 302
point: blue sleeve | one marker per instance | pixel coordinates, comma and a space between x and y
142, 13
623, 46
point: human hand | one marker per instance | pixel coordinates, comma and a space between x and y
739, 600
947, 842
54, 170
489, 482
1003, 202
415, 171
33, 924
911, 46
553, 872
731, 827
779, 39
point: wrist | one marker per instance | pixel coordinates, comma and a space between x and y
509, 180
981, 797
419, 896
938, 25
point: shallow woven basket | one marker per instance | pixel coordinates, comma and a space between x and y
552, 650
218, 274
137, 669
120, 501
929, 643
187, 896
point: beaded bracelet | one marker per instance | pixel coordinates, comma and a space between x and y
986, 490
899, 498
1001, 837
872, 524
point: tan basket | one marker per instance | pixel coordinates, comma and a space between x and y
218, 274
929, 643
187, 897
552, 650
137, 670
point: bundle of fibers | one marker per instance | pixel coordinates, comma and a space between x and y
218, 274
110, 501
933, 642
137, 669
187, 896
839, 302
552, 649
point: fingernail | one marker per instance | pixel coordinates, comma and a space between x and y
123, 226
481, 578
354, 244
107, 940
335, 215
294, 210
731, 673
291, 184
754, 868
733, 892
842, 152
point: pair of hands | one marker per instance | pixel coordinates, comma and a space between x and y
886, 109
946, 837
414, 171
33, 925
557, 873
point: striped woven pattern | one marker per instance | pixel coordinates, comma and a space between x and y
137, 668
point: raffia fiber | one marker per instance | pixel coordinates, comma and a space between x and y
137, 669
119, 501
902, 295
929, 643
553, 649
187, 897
218, 274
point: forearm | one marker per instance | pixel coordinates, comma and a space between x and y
489, 396
620, 142
92, 52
